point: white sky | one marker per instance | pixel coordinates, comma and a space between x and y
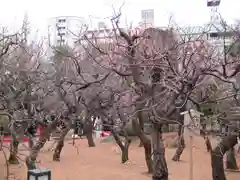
186, 12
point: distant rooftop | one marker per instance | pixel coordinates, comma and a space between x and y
208, 28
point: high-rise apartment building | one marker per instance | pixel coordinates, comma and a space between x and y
66, 30
147, 18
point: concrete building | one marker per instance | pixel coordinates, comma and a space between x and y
147, 18
101, 34
215, 34
65, 30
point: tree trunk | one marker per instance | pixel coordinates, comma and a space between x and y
58, 149
13, 151
125, 157
180, 148
181, 142
140, 144
124, 146
230, 155
217, 154
146, 144
31, 158
136, 72
88, 130
141, 124
231, 162
208, 144
160, 169
1, 136
91, 142
30, 142
60, 143
223, 129
203, 124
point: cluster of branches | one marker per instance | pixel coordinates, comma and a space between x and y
164, 75
123, 79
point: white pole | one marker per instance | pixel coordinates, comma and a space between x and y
191, 157
98, 132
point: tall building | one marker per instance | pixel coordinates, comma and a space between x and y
65, 30
102, 25
147, 19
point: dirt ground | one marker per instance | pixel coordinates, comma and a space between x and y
103, 162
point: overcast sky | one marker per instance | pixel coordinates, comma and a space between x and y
186, 12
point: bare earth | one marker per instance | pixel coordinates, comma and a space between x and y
103, 163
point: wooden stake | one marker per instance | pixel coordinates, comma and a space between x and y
191, 157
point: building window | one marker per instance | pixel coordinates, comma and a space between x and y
61, 28
61, 20
61, 34
61, 41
